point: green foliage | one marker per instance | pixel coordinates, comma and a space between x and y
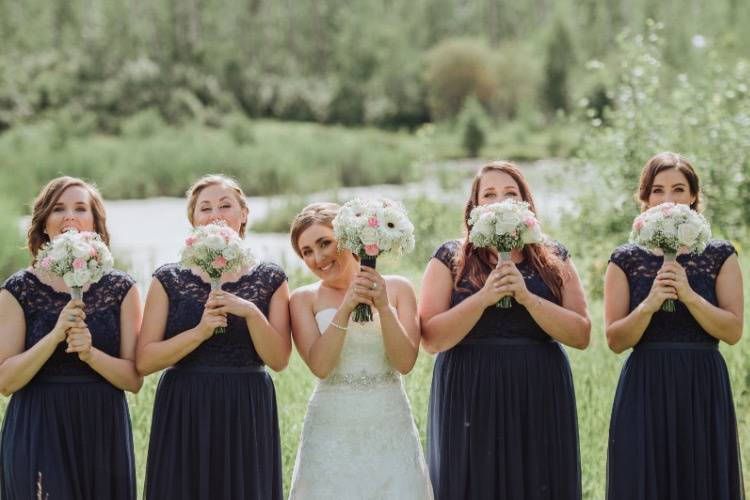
656, 109
13, 252
560, 59
457, 69
473, 123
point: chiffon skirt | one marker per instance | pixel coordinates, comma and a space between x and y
502, 422
673, 433
67, 438
214, 436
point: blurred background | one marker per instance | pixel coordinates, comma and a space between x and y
329, 99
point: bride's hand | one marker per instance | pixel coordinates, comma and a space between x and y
358, 293
376, 285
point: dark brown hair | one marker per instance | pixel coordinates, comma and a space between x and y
472, 262
665, 161
210, 180
315, 213
45, 202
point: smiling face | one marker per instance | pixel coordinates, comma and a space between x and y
672, 186
72, 210
496, 186
219, 203
319, 251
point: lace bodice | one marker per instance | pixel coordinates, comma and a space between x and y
42, 304
363, 353
640, 266
497, 322
187, 295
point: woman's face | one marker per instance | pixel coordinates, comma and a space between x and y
71, 211
320, 253
670, 185
495, 187
218, 203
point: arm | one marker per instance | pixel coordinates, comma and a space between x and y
624, 329
401, 328
443, 326
724, 321
569, 323
271, 335
153, 353
18, 366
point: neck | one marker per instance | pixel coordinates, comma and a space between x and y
342, 281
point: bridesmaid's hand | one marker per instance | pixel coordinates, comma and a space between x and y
228, 303
377, 289
512, 283
71, 316
210, 321
490, 293
674, 275
79, 340
661, 290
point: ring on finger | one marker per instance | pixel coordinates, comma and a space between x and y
71, 317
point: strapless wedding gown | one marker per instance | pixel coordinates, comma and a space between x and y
359, 440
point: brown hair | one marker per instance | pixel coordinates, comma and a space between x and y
315, 213
665, 161
45, 202
211, 180
472, 262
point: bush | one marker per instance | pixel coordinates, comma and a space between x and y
473, 123
456, 69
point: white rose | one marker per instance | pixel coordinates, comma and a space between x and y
58, 253
81, 249
231, 252
507, 223
81, 276
216, 242
532, 235
687, 233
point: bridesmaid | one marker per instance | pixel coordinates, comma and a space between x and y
66, 433
502, 413
673, 433
215, 432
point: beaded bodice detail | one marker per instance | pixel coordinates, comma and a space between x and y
495, 321
363, 360
640, 267
188, 294
42, 305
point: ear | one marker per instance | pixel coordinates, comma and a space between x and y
245, 213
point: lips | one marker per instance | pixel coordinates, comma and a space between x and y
327, 267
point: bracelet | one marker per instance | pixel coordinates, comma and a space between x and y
342, 328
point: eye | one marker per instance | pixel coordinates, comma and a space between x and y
511, 194
306, 252
656, 190
324, 243
680, 190
57, 209
489, 195
226, 206
205, 209
82, 209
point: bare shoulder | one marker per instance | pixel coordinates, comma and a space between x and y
398, 283
305, 295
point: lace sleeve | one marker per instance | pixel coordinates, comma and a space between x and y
272, 274
559, 249
720, 250
17, 286
446, 253
622, 257
167, 276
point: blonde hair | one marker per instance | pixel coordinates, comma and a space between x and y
211, 180
315, 213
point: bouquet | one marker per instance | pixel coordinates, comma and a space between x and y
215, 250
79, 258
505, 226
669, 227
368, 228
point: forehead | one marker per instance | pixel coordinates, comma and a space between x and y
497, 180
74, 194
309, 236
215, 192
670, 177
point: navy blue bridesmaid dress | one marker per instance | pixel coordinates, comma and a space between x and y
66, 434
215, 431
502, 411
673, 432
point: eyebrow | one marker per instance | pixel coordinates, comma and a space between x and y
220, 199
673, 185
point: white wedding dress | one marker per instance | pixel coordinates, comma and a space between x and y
359, 440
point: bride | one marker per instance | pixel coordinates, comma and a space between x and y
359, 440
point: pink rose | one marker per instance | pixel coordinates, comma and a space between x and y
530, 222
46, 263
92, 252
79, 264
373, 222
226, 234
372, 250
638, 224
190, 240
219, 262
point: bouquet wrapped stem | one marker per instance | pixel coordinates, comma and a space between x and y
505, 302
216, 285
363, 312
668, 304
76, 293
